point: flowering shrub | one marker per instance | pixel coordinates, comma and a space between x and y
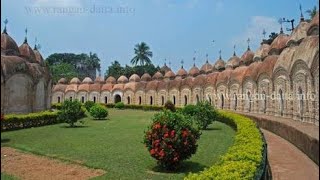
171, 139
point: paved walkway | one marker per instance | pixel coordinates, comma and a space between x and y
287, 161
307, 128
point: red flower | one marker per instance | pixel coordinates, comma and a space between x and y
172, 133
157, 126
162, 153
152, 151
185, 133
175, 159
166, 135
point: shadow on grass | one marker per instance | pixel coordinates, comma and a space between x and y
5, 140
212, 129
103, 119
185, 167
74, 127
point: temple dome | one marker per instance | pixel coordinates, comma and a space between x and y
99, 80
134, 78
313, 28
122, 79
206, 68
111, 80
87, 80
38, 57
8, 45
278, 44
157, 76
194, 71
62, 81
75, 80
247, 57
298, 34
262, 52
146, 77
182, 72
233, 62
219, 64
169, 74
27, 52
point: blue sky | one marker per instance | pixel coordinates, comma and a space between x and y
174, 29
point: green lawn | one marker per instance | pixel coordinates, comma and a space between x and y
115, 145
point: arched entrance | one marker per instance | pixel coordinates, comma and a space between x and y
128, 100
222, 101
117, 98
151, 100
185, 100
235, 101
249, 101
301, 98
281, 102
264, 97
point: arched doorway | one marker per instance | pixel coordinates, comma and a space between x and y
59, 99
117, 98
162, 100
174, 100
209, 99
281, 102
139, 100
94, 99
106, 99
82, 99
301, 105
249, 101
128, 100
264, 98
222, 101
198, 100
235, 101
151, 100
185, 100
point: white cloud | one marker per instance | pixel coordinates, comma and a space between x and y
57, 3
254, 31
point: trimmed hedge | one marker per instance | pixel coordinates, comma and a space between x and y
56, 106
243, 158
21, 121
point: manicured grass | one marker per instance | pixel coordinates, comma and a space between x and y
5, 176
115, 145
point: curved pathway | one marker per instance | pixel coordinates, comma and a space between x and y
287, 161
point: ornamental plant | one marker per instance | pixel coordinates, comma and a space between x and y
203, 114
119, 105
98, 111
170, 139
71, 112
88, 105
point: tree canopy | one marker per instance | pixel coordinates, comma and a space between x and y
75, 65
272, 36
142, 54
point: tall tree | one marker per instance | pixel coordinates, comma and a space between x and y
142, 54
65, 70
115, 70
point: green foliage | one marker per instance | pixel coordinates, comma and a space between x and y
170, 106
116, 70
119, 105
203, 114
65, 70
243, 158
88, 105
312, 12
21, 121
98, 111
56, 106
171, 139
71, 112
272, 36
69, 65
142, 54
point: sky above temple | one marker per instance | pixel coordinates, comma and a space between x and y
174, 29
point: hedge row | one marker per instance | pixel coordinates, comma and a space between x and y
244, 158
139, 107
21, 121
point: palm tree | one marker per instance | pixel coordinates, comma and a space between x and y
312, 12
142, 54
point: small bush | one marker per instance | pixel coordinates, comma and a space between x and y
98, 112
88, 105
56, 106
190, 110
71, 112
171, 139
170, 106
119, 105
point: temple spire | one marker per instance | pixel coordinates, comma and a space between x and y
25, 38
281, 22
234, 50
248, 41
207, 60
220, 54
35, 44
301, 14
194, 58
182, 63
165, 62
5, 26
